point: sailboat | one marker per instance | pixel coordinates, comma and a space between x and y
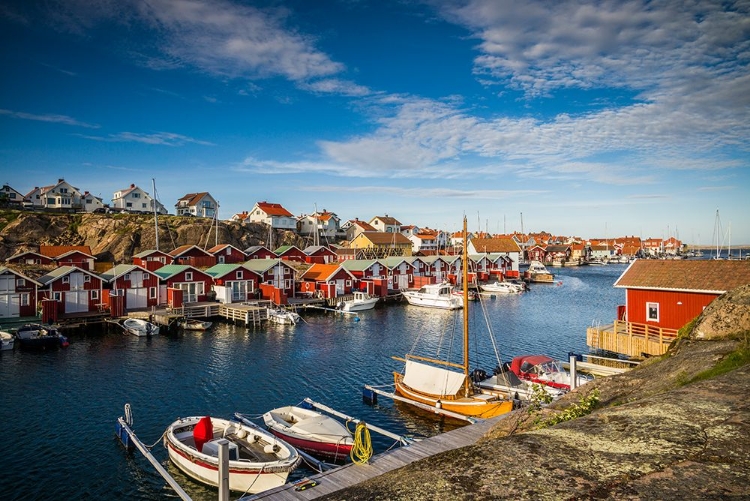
447, 385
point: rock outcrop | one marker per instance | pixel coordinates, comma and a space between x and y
117, 237
676, 427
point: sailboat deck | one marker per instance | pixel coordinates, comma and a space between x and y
352, 474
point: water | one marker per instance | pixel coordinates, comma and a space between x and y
58, 409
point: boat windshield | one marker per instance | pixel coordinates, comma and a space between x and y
550, 367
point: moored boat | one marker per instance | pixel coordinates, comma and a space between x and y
40, 337
7, 341
258, 461
362, 301
311, 431
139, 327
502, 288
538, 273
545, 370
191, 324
282, 316
434, 296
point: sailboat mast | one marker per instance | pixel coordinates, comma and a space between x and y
156, 213
465, 262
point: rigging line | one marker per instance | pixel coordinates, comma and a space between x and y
494, 344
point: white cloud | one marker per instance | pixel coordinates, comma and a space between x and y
158, 138
61, 119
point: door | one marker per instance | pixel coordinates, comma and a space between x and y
239, 291
10, 300
136, 298
76, 301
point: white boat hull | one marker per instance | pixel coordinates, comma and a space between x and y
7, 341
140, 328
361, 302
245, 475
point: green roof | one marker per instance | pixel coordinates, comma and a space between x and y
171, 269
260, 265
219, 270
357, 264
117, 271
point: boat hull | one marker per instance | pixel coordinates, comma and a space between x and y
328, 450
447, 303
475, 406
311, 431
7, 341
362, 305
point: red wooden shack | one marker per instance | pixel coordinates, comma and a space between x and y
18, 294
69, 255
291, 253
75, 290
328, 274
152, 259
275, 274
194, 283
319, 254
192, 255
234, 282
139, 286
227, 254
259, 252
30, 258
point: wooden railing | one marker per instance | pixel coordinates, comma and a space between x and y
630, 338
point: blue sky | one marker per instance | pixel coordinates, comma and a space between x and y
589, 118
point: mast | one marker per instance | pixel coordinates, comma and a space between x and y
156, 213
466, 309
216, 216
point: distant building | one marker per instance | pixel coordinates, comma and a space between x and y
134, 199
386, 224
197, 204
60, 196
273, 215
10, 197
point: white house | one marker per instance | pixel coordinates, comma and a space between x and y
10, 197
327, 224
134, 199
273, 215
386, 224
197, 204
62, 195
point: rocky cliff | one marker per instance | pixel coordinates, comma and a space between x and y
677, 427
117, 237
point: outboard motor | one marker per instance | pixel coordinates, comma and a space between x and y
478, 375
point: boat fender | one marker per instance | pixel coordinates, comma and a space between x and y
241, 433
256, 438
438, 404
271, 449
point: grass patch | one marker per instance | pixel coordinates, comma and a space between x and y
736, 359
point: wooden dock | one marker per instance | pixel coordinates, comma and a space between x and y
352, 474
630, 338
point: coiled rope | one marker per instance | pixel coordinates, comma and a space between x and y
362, 448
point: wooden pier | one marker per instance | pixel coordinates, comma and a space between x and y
352, 474
630, 338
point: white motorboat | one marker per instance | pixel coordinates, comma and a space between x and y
361, 301
538, 273
139, 327
434, 296
191, 324
7, 341
502, 288
311, 431
282, 316
258, 461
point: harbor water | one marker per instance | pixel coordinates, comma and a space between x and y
58, 408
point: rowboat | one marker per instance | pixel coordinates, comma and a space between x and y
311, 431
258, 461
190, 324
139, 327
7, 341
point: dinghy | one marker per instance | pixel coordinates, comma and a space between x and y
311, 431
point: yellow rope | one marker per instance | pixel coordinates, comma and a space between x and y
362, 448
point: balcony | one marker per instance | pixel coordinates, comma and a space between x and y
630, 338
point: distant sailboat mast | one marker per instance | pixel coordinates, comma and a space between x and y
156, 213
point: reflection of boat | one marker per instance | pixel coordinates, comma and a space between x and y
139, 327
438, 383
7, 341
258, 461
434, 296
40, 337
191, 324
310, 431
538, 273
542, 369
362, 301
282, 316
502, 288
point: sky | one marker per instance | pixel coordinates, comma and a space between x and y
595, 119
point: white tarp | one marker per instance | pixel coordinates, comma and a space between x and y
432, 380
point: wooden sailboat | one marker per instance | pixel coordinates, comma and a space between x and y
447, 385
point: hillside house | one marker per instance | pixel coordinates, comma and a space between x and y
197, 204
354, 227
139, 286
134, 199
10, 197
377, 244
272, 215
234, 283
661, 296
18, 294
327, 224
194, 283
385, 224
59, 196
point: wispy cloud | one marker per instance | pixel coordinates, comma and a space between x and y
52, 118
157, 138
429, 193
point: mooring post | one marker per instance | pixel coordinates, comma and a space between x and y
223, 469
573, 375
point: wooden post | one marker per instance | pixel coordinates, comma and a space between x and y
573, 375
223, 469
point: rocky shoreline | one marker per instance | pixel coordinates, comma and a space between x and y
677, 427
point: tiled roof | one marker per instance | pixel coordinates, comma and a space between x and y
362, 224
684, 275
495, 245
274, 209
58, 250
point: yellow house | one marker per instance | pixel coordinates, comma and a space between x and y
377, 244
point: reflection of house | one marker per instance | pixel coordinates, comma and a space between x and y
661, 296
76, 290
134, 199
139, 286
196, 204
17, 294
233, 283
273, 215
194, 283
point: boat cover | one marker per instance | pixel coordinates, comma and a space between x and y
432, 380
203, 432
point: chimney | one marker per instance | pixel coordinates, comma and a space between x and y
60, 180
132, 185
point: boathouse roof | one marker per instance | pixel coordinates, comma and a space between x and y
712, 276
494, 245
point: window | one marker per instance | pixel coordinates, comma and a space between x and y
94, 294
127, 276
20, 282
24, 299
189, 275
136, 195
239, 275
87, 278
652, 312
66, 279
152, 292
129, 204
57, 296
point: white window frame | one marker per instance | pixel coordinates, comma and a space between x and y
152, 292
24, 299
189, 276
87, 278
649, 308
94, 294
66, 279
20, 282
57, 296
238, 275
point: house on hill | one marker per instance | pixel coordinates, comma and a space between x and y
661, 296
134, 199
197, 204
10, 197
378, 244
273, 215
326, 224
386, 224
59, 196
354, 227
